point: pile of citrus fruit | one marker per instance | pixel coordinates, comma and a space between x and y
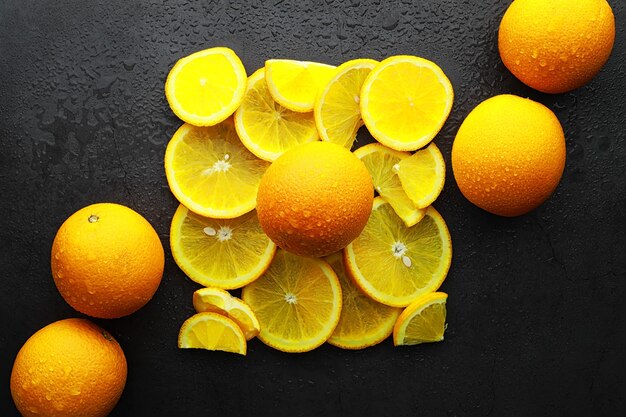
293, 221
325, 244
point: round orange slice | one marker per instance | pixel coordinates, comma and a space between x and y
395, 264
223, 253
211, 172
405, 101
297, 301
206, 87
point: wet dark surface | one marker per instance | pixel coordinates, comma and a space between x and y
536, 310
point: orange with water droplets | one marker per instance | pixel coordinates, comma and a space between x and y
315, 199
70, 368
558, 45
107, 260
508, 155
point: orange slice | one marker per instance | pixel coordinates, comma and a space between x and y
296, 84
395, 264
206, 87
212, 331
265, 127
211, 172
423, 175
220, 301
423, 321
405, 101
224, 253
383, 164
363, 321
337, 111
297, 301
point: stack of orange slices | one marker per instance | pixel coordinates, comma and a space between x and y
385, 281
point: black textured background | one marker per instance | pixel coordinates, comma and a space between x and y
537, 303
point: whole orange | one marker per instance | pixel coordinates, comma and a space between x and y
315, 199
556, 46
107, 260
70, 368
508, 155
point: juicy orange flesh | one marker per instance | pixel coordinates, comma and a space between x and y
380, 165
379, 260
211, 335
288, 308
298, 82
202, 95
212, 331
219, 301
216, 170
269, 125
363, 321
286, 127
341, 111
412, 105
428, 326
422, 175
201, 249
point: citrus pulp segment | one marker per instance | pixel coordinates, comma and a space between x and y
363, 321
422, 175
297, 301
337, 111
206, 87
267, 128
383, 164
405, 101
223, 253
296, 84
211, 172
221, 301
422, 321
395, 264
212, 331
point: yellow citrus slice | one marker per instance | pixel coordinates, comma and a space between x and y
265, 127
405, 101
423, 321
211, 172
297, 301
383, 164
296, 84
206, 87
395, 264
363, 321
212, 331
337, 111
220, 301
422, 175
223, 253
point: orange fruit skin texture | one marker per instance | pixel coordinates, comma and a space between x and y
508, 155
315, 199
110, 267
556, 46
70, 368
